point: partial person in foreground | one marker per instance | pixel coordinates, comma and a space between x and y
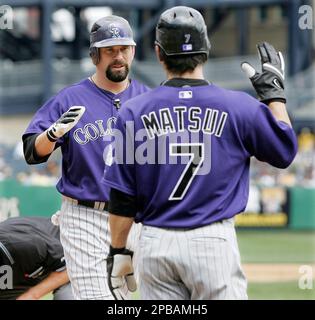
188, 247
32, 256
79, 120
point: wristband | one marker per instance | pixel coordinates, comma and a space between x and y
113, 251
51, 137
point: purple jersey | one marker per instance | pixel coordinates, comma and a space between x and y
216, 131
82, 147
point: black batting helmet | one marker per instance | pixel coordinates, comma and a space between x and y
182, 30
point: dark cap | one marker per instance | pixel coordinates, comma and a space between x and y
111, 31
182, 30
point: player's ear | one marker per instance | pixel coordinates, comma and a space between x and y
133, 50
94, 54
158, 53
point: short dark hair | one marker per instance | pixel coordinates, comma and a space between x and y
180, 64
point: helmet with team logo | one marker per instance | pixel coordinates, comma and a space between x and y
182, 30
109, 31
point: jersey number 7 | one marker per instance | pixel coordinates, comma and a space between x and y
196, 152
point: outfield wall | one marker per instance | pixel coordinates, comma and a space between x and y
302, 208
23, 200
297, 210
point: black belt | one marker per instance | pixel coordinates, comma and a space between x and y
97, 205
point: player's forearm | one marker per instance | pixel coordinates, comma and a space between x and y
120, 227
52, 282
43, 145
279, 111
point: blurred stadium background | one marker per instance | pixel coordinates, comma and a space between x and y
46, 48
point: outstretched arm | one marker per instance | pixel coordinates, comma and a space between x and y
52, 282
279, 111
43, 146
269, 84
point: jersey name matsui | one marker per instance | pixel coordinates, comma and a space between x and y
208, 120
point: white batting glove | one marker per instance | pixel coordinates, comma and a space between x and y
119, 272
269, 84
65, 123
55, 218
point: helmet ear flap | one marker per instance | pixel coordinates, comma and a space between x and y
94, 54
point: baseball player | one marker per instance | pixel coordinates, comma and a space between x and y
79, 120
30, 249
188, 247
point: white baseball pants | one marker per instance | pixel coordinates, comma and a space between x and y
191, 264
85, 237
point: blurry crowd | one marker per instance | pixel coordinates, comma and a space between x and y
300, 173
268, 185
14, 167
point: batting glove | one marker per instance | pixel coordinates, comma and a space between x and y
120, 272
55, 218
269, 84
65, 123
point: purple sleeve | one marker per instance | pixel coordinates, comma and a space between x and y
120, 174
270, 140
45, 117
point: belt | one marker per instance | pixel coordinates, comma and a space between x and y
97, 205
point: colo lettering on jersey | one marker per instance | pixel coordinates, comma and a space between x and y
91, 132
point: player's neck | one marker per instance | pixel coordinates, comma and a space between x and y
197, 73
114, 87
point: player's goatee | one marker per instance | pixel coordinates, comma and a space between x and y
117, 76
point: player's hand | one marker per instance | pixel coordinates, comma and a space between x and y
65, 123
269, 84
120, 271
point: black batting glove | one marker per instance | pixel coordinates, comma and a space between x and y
269, 84
120, 271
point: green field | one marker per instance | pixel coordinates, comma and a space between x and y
282, 247
279, 291
276, 246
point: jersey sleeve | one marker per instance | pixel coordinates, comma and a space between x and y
268, 139
55, 257
120, 172
34, 251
